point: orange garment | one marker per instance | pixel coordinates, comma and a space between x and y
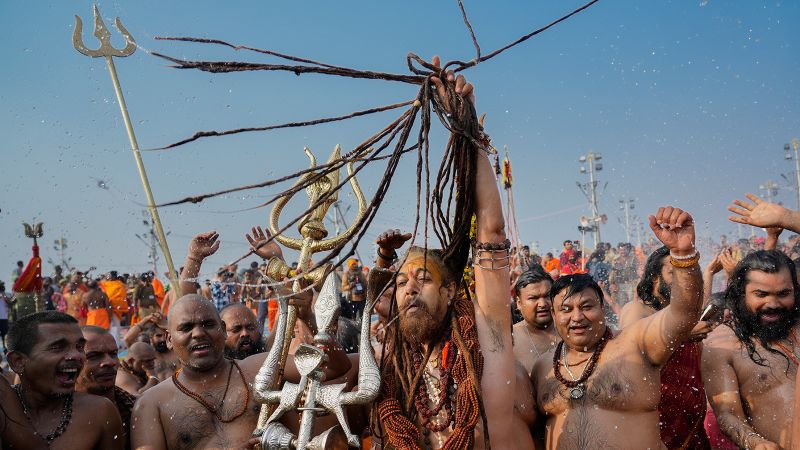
117, 292
553, 264
158, 289
99, 318
74, 300
272, 313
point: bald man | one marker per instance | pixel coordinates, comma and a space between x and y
243, 336
202, 406
137, 373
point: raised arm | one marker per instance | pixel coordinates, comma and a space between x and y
713, 268
493, 301
201, 247
660, 334
764, 214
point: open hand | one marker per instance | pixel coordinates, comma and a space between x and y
759, 213
204, 245
674, 227
260, 246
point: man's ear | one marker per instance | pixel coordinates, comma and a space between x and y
224, 328
17, 361
451, 291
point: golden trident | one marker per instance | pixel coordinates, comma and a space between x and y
313, 239
109, 52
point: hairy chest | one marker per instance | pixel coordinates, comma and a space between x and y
614, 387
218, 424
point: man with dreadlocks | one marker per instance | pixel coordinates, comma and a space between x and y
600, 390
750, 366
449, 368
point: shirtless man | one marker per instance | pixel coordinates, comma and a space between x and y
47, 352
137, 372
209, 403
605, 389
426, 352
750, 366
98, 305
156, 326
243, 337
100, 372
682, 408
16, 431
763, 295
535, 335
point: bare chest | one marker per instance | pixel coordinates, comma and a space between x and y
767, 392
226, 424
615, 385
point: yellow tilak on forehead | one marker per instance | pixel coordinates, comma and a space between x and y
413, 265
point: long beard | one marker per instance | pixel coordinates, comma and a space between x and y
421, 327
774, 331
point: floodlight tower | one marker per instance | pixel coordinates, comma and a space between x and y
590, 164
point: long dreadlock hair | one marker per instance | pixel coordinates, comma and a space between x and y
768, 261
400, 381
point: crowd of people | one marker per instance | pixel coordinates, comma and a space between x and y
627, 347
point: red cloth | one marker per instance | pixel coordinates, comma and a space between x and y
715, 435
30, 280
682, 409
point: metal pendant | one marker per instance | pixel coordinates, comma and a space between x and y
577, 392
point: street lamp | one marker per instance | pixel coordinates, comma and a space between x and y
589, 189
788, 155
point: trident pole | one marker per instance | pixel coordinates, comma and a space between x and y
107, 51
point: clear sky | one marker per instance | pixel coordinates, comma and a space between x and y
689, 102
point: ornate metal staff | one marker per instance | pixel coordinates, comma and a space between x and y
108, 51
308, 358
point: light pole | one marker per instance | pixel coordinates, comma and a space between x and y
770, 190
787, 148
590, 189
626, 205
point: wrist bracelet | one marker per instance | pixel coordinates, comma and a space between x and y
681, 258
747, 439
387, 258
685, 263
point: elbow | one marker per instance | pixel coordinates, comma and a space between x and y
492, 227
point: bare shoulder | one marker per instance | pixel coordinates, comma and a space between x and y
158, 393
721, 337
634, 311
93, 403
252, 364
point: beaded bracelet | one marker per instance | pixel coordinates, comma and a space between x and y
681, 258
491, 246
747, 439
684, 263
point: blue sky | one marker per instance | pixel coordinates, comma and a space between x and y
689, 104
